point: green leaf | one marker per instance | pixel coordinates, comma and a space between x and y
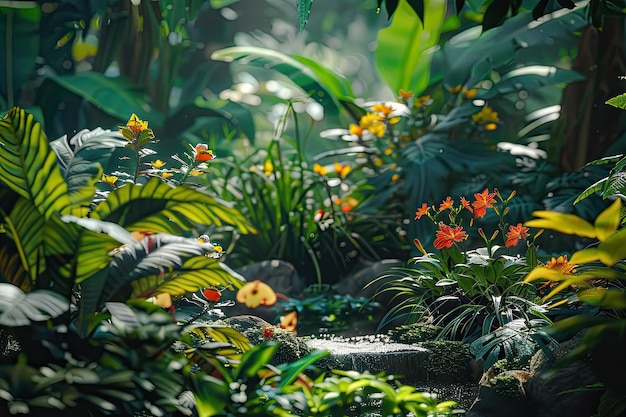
304, 9
117, 97
604, 297
158, 207
28, 166
20, 309
211, 394
24, 226
401, 55
229, 335
81, 159
200, 272
256, 358
298, 73
619, 101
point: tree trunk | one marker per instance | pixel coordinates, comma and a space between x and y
588, 125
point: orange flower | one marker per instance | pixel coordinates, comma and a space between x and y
406, 94
516, 233
211, 294
483, 201
466, 204
447, 235
256, 293
446, 204
562, 265
422, 211
203, 153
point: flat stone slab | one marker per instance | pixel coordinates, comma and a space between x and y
375, 354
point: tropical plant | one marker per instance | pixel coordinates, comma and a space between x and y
475, 295
594, 277
54, 239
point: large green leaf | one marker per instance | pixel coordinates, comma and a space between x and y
82, 158
402, 55
499, 47
27, 165
24, 227
299, 73
200, 272
118, 97
104, 275
158, 207
20, 309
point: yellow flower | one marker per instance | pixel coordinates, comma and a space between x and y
133, 128
378, 162
166, 175
485, 115
395, 177
422, 102
158, 164
195, 173
384, 109
491, 126
373, 123
388, 151
469, 94
455, 89
109, 179
356, 130
342, 170
319, 169
268, 167
218, 249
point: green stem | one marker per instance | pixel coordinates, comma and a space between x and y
137, 162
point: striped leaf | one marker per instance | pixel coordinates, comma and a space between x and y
158, 207
27, 165
20, 309
200, 272
81, 159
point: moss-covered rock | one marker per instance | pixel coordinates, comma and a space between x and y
414, 333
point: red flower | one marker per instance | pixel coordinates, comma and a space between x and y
483, 201
268, 332
516, 233
211, 294
447, 235
203, 153
422, 211
446, 204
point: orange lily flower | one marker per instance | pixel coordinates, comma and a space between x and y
514, 234
447, 236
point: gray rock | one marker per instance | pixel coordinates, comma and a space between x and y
546, 388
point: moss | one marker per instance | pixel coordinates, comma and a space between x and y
291, 347
414, 333
448, 360
504, 365
507, 386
